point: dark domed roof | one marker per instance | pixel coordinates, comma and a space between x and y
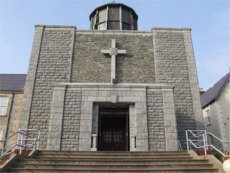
113, 4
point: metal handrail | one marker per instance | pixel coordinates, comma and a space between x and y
5, 140
24, 140
203, 135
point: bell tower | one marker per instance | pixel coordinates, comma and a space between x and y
113, 16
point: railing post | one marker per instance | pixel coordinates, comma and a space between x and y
20, 143
24, 140
38, 139
94, 142
187, 140
204, 141
18, 140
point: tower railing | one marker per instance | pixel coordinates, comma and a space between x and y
199, 140
26, 138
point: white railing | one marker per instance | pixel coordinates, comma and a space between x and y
26, 138
199, 139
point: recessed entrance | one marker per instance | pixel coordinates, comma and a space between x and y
113, 129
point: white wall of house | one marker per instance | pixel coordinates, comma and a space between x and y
217, 117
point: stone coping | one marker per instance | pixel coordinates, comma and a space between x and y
55, 26
112, 31
109, 85
170, 29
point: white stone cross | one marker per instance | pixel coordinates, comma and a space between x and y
113, 51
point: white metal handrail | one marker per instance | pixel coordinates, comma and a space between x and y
199, 139
26, 138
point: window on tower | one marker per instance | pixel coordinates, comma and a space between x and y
102, 16
114, 13
101, 26
114, 25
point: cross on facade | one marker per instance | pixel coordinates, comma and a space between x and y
113, 51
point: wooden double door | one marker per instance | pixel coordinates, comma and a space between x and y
113, 129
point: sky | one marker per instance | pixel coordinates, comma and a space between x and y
208, 19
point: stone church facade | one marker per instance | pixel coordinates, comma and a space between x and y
89, 90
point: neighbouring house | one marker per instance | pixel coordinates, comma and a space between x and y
215, 103
11, 99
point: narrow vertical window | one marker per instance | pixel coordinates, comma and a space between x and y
208, 116
3, 105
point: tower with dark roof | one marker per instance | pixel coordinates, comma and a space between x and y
113, 16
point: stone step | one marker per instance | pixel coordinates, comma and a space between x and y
110, 170
112, 153
104, 166
109, 162
113, 162
108, 157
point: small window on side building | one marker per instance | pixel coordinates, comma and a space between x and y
208, 117
3, 105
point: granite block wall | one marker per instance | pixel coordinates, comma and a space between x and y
172, 68
136, 66
62, 54
71, 121
52, 67
156, 127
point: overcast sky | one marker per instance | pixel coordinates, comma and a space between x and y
208, 19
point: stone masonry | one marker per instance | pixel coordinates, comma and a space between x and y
155, 114
172, 68
158, 58
71, 120
149, 135
90, 66
49, 65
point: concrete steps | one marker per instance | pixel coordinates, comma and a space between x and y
107, 162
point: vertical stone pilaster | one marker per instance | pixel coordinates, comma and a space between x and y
171, 138
193, 80
156, 130
30, 80
95, 118
85, 123
71, 54
132, 127
142, 143
55, 126
155, 54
